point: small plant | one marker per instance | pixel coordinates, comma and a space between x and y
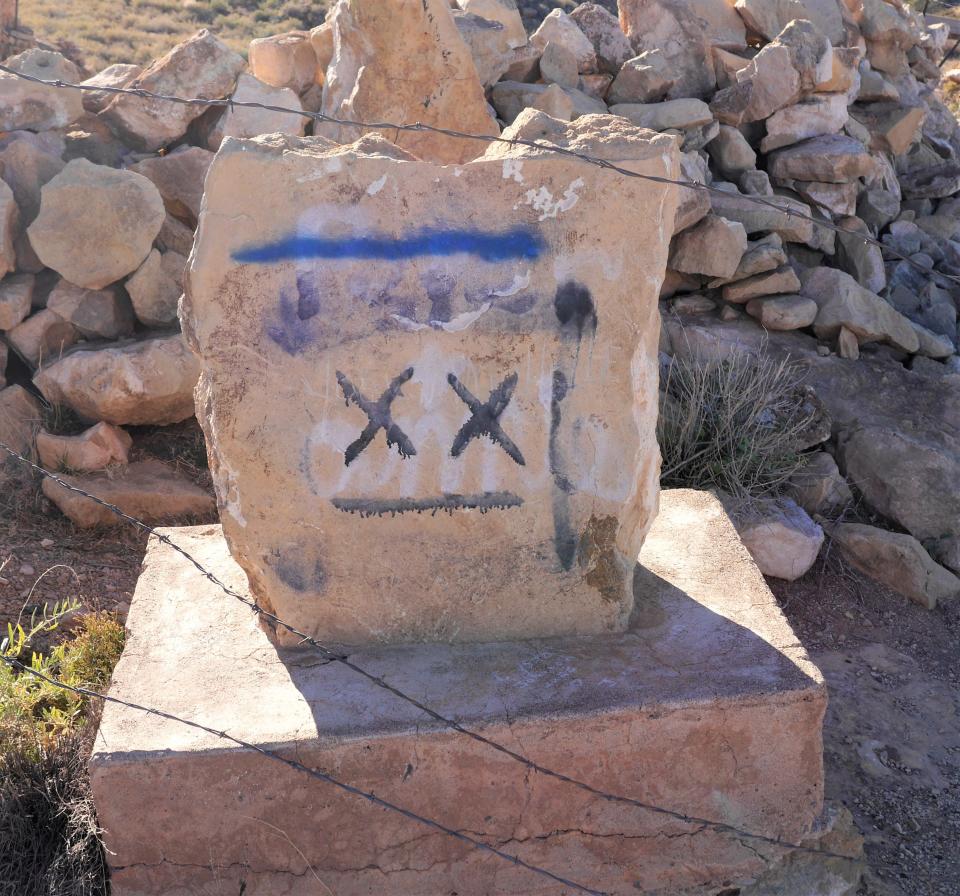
735, 425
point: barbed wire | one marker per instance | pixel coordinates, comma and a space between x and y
474, 842
422, 127
333, 656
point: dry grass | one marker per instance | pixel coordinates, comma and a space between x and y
100, 32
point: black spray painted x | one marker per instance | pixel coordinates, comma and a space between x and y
484, 421
378, 413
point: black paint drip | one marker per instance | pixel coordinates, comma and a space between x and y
564, 537
574, 307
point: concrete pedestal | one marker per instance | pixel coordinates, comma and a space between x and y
708, 705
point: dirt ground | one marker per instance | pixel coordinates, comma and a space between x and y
892, 732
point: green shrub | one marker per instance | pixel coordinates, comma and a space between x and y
735, 425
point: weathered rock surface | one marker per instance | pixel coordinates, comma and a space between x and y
779, 214
179, 176
200, 66
466, 309
814, 117
833, 158
284, 60
155, 288
602, 29
42, 337
818, 487
148, 490
406, 63
769, 17
643, 79
20, 416
783, 312
510, 98
16, 292
92, 450
561, 29
780, 280
9, 221
148, 382
84, 206
782, 539
36, 107
238, 121
682, 114
713, 248
118, 75
95, 313
898, 561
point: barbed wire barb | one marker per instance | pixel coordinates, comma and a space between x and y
380, 682
510, 141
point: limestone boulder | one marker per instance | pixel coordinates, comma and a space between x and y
42, 338
558, 66
406, 63
731, 152
826, 114
504, 12
148, 490
842, 302
780, 214
862, 260
96, 224
560, 28
932, 345
769, 17
762, 255
284, 60
878, 207
510, 98
27, 162
893, 127
16, 294
142, 383
238, 121
898, 561
155, 288
202, 66
179, 178
30, 106
683, 114
95, 313
685, 32
175, 236
833, 158
490, 46
834, 200
818, 487
118, 75
779, 280
434, 290
9, 224
602, 29
642, 79
782, 312
782, 539
94, 449
713, 248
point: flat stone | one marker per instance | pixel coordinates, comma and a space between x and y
813, 117
463, 308
681, 114
142, 383
16, 292
42, 337
898, 561
560, 28
769, 17
558, 65
643, 79
685, 33
117, 75
602, 29
783, 312
713, 248
148, 490
504, 12
845, 303
892, 126
762, 255
932, 345
155, 288
692, 304
769, 82
510, 98
837, 200
731, 152
818, 487
491, 48
96, 313
709, 669
94, 449
405, 63
36, 107
179, 177
284, 60
833, 158
781, 538
96, 224
780, 280
202, 65
878, 207
780, 214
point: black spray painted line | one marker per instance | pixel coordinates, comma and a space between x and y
446, 503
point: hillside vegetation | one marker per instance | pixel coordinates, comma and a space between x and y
99, 32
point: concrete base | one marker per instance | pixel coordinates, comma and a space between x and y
708, 705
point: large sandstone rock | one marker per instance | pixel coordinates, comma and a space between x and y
96, 224
405, 62
769, 17
42, 338
94, 449
96, 313
818, 115
684, 32
818, 487
898, 561
713, 248
646, 78
677, 114
602, 29
413, 299
284, 60
779, 280
783, 312
179, 176
504, 12
36, 107
892, 126
148, 490
201, 66
239, 121
780, 214
834, 158
149, 382
843, 302
560, 28
155, 288
114, 76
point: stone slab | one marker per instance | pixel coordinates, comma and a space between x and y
707, 705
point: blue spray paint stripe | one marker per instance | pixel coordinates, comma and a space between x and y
520, 242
